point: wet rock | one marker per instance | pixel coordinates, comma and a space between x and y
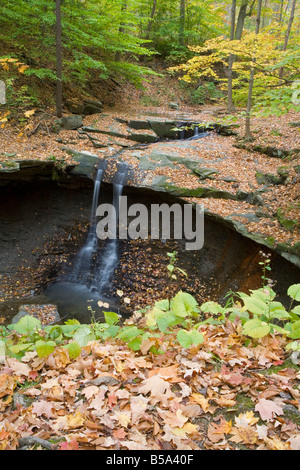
139, 125
164, 129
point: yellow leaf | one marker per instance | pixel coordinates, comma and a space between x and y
23, 68
124, 419
275, 443
188, 428
246, 435
201, 400
74, 421
29, 113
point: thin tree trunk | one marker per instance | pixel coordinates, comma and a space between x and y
182, 23
280, 12
149, 27
230, 107
121, 31
58, 59
251, 80
264, 17
243, 13
287, 34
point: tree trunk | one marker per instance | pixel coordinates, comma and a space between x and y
287, 34
182, 23
251, 80
243, 13
149, 27
264, 17
121, 31
230, 107
58, 59
280, 12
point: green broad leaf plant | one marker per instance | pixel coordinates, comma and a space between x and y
178, 319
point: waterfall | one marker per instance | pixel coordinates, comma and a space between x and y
83, 262
110, 255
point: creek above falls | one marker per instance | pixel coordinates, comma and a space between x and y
45, 225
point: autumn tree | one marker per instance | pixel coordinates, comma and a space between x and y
251, 79
230, 106
288, 31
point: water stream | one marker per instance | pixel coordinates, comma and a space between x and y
109, 258
83, 262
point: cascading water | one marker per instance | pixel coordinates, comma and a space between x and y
198, 133
82, 265
109, 258
79, 291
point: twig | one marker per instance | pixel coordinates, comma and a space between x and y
31, 440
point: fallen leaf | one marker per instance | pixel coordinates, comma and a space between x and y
246, 435
267, 409
154, 385
43, 407
201, 400
7, 384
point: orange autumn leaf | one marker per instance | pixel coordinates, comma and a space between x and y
167, 373
201, 400
245, 435
216, 432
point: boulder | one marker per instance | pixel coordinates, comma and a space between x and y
173, 105
47, 313
164, 129
92, 107
74, 121
85, 107
87, 162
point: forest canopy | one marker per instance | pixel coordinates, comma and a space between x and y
214, 46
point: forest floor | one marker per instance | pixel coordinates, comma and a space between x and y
238, 170
229, 392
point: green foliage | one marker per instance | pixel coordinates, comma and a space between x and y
205, 92
91, 38
263, 53
259, 313
171, 266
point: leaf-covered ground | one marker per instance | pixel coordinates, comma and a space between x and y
227, 393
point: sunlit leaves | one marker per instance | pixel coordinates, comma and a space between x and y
256, 328
184, 304
294, 292
26, 325
262, 52
188, 338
